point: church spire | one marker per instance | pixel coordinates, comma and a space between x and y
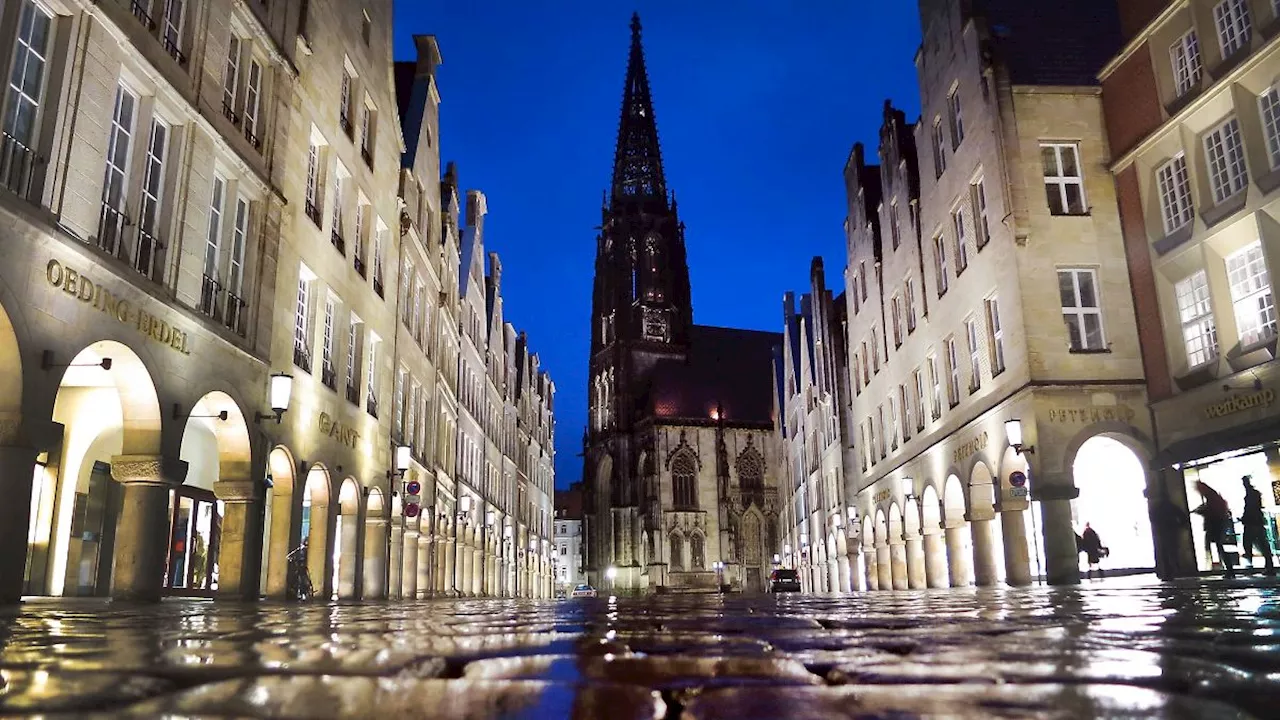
637, 163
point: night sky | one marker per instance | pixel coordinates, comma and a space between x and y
758, 103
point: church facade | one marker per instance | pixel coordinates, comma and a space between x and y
681, 464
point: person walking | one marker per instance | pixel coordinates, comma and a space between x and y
1093, 549
1255, 527
1217, 520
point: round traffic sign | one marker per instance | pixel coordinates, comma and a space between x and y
1018, 479
413, 487
411, 510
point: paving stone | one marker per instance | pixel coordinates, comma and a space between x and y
38, 691
664, 672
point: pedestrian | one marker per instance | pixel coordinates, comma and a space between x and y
1255, 528
1093, 549
1217, 520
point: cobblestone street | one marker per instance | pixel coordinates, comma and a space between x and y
1106, 650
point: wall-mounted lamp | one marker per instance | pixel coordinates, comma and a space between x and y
47, 362
279, 392
1013, 431
908, 488
489, 518
401, 457
835, 521
786, 549
851, 512
804, 539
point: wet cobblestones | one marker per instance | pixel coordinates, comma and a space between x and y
1203, 650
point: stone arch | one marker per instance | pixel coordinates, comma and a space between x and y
882, 528
315, 522
868, 533
227, 437
895, 523
11, 378
602, 530
934, 549
346, 540
280, 531
982, 497
1109, 466
985, 530
21, 493
953, 501
750, 467
959, 540
911, 517
930, 510
110, 414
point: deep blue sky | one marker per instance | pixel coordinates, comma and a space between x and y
758, 103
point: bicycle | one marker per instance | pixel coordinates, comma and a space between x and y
300, 588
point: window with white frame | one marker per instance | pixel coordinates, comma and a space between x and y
953, 372
353, 345
171, 28
253, 102
231, 78
955, 118
302, 321
398, 403
1175, 193
1269, 107
120, 139
152, 197
326, 347
239, 239
1251, 297
935, 385
981, 224
896, 308
1195, 312
895, 232
366, 129
879, 430
862, 278
909, 300
995, 334
940, 264
1231, 19
416, 329
1224, 155
875, 348
1081, 310
1063, 181
939, 148
344, 109
975, 366
1184, 54
26, 79
371, 370
904, 404
962, 250
918, 382
866, 373
312, 189
377, 254
892, 428
213, 237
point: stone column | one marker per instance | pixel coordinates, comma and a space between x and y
1061, 558
843, 571
935, 561
1017, 557
898, 564
984, 553
409, 576
884, 567
872, 567
348, 555
142, 531
957, 557
283, 541
915, 562
320, 552
239, 540
424, 566
440, 582
450, 567
395, 591
375, 563
17, 470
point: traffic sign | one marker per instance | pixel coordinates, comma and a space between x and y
411, 510
1018, 479
413, 487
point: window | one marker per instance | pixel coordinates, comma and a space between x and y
955, 118
982, 226
353, 343
313, 183
116, 183
371, 375
857, 376
975, 368
1063, 183
875, 348
962, 250
26, 79
909, 298
862, 278
917, 380
684, 479
171, 30
337, 209
1251, 294
239, 232
252, 101
416, 324
904, 404
398, 403
1195, 312
866, 373
1175, 193
1185, 56
366, 132
878, 431
1224, 154
377, 258
996, 335
366, 28
406, 275
1269, 106
939, 149
302, 322
326, 348
895, 232
214, 237
357, 238
152, 192
940, 264
1078, 289
1231, 18
892, 428
231, 79
896, 304
935, 383
344, 109
953, 372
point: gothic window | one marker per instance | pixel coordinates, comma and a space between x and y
652, 261
751, 553
697, 559
751, 470
677, 552
684, 482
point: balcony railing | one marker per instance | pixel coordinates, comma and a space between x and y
145, 253
336, 238
372, 405
367, 154
254, 140
313, 212
175, 52
360, 269
377, 281
209, 291
345, 122
329, 376
302, 357
111, 229
143, 16
17, 166
353, 394
229, 113
235, 314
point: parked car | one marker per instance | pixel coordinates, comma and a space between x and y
583, 591
784, 580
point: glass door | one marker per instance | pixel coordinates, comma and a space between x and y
195, 527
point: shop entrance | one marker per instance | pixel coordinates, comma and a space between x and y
195, 531
1225, 476
1112, 485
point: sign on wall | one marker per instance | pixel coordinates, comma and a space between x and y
80, 287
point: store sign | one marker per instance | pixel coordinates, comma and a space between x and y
336, 430
969, 448
1240, 403
1109, 413
115, 307
882, 496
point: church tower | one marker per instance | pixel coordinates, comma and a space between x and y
641, 309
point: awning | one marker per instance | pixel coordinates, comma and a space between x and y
1258, 432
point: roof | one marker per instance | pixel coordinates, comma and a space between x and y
1053, 43
568, 503
725, 368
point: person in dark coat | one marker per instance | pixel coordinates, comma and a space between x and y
1217, 520
1093, 549
1255, 525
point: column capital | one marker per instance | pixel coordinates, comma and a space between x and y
148, 470
375, 520
233, 491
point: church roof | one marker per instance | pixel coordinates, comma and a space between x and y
726, 368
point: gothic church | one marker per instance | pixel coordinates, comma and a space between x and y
681, 465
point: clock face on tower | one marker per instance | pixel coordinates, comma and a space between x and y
655, 325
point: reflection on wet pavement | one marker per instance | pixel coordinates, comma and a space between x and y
1193, 650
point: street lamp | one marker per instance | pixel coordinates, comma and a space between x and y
611, 574
1013, 430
